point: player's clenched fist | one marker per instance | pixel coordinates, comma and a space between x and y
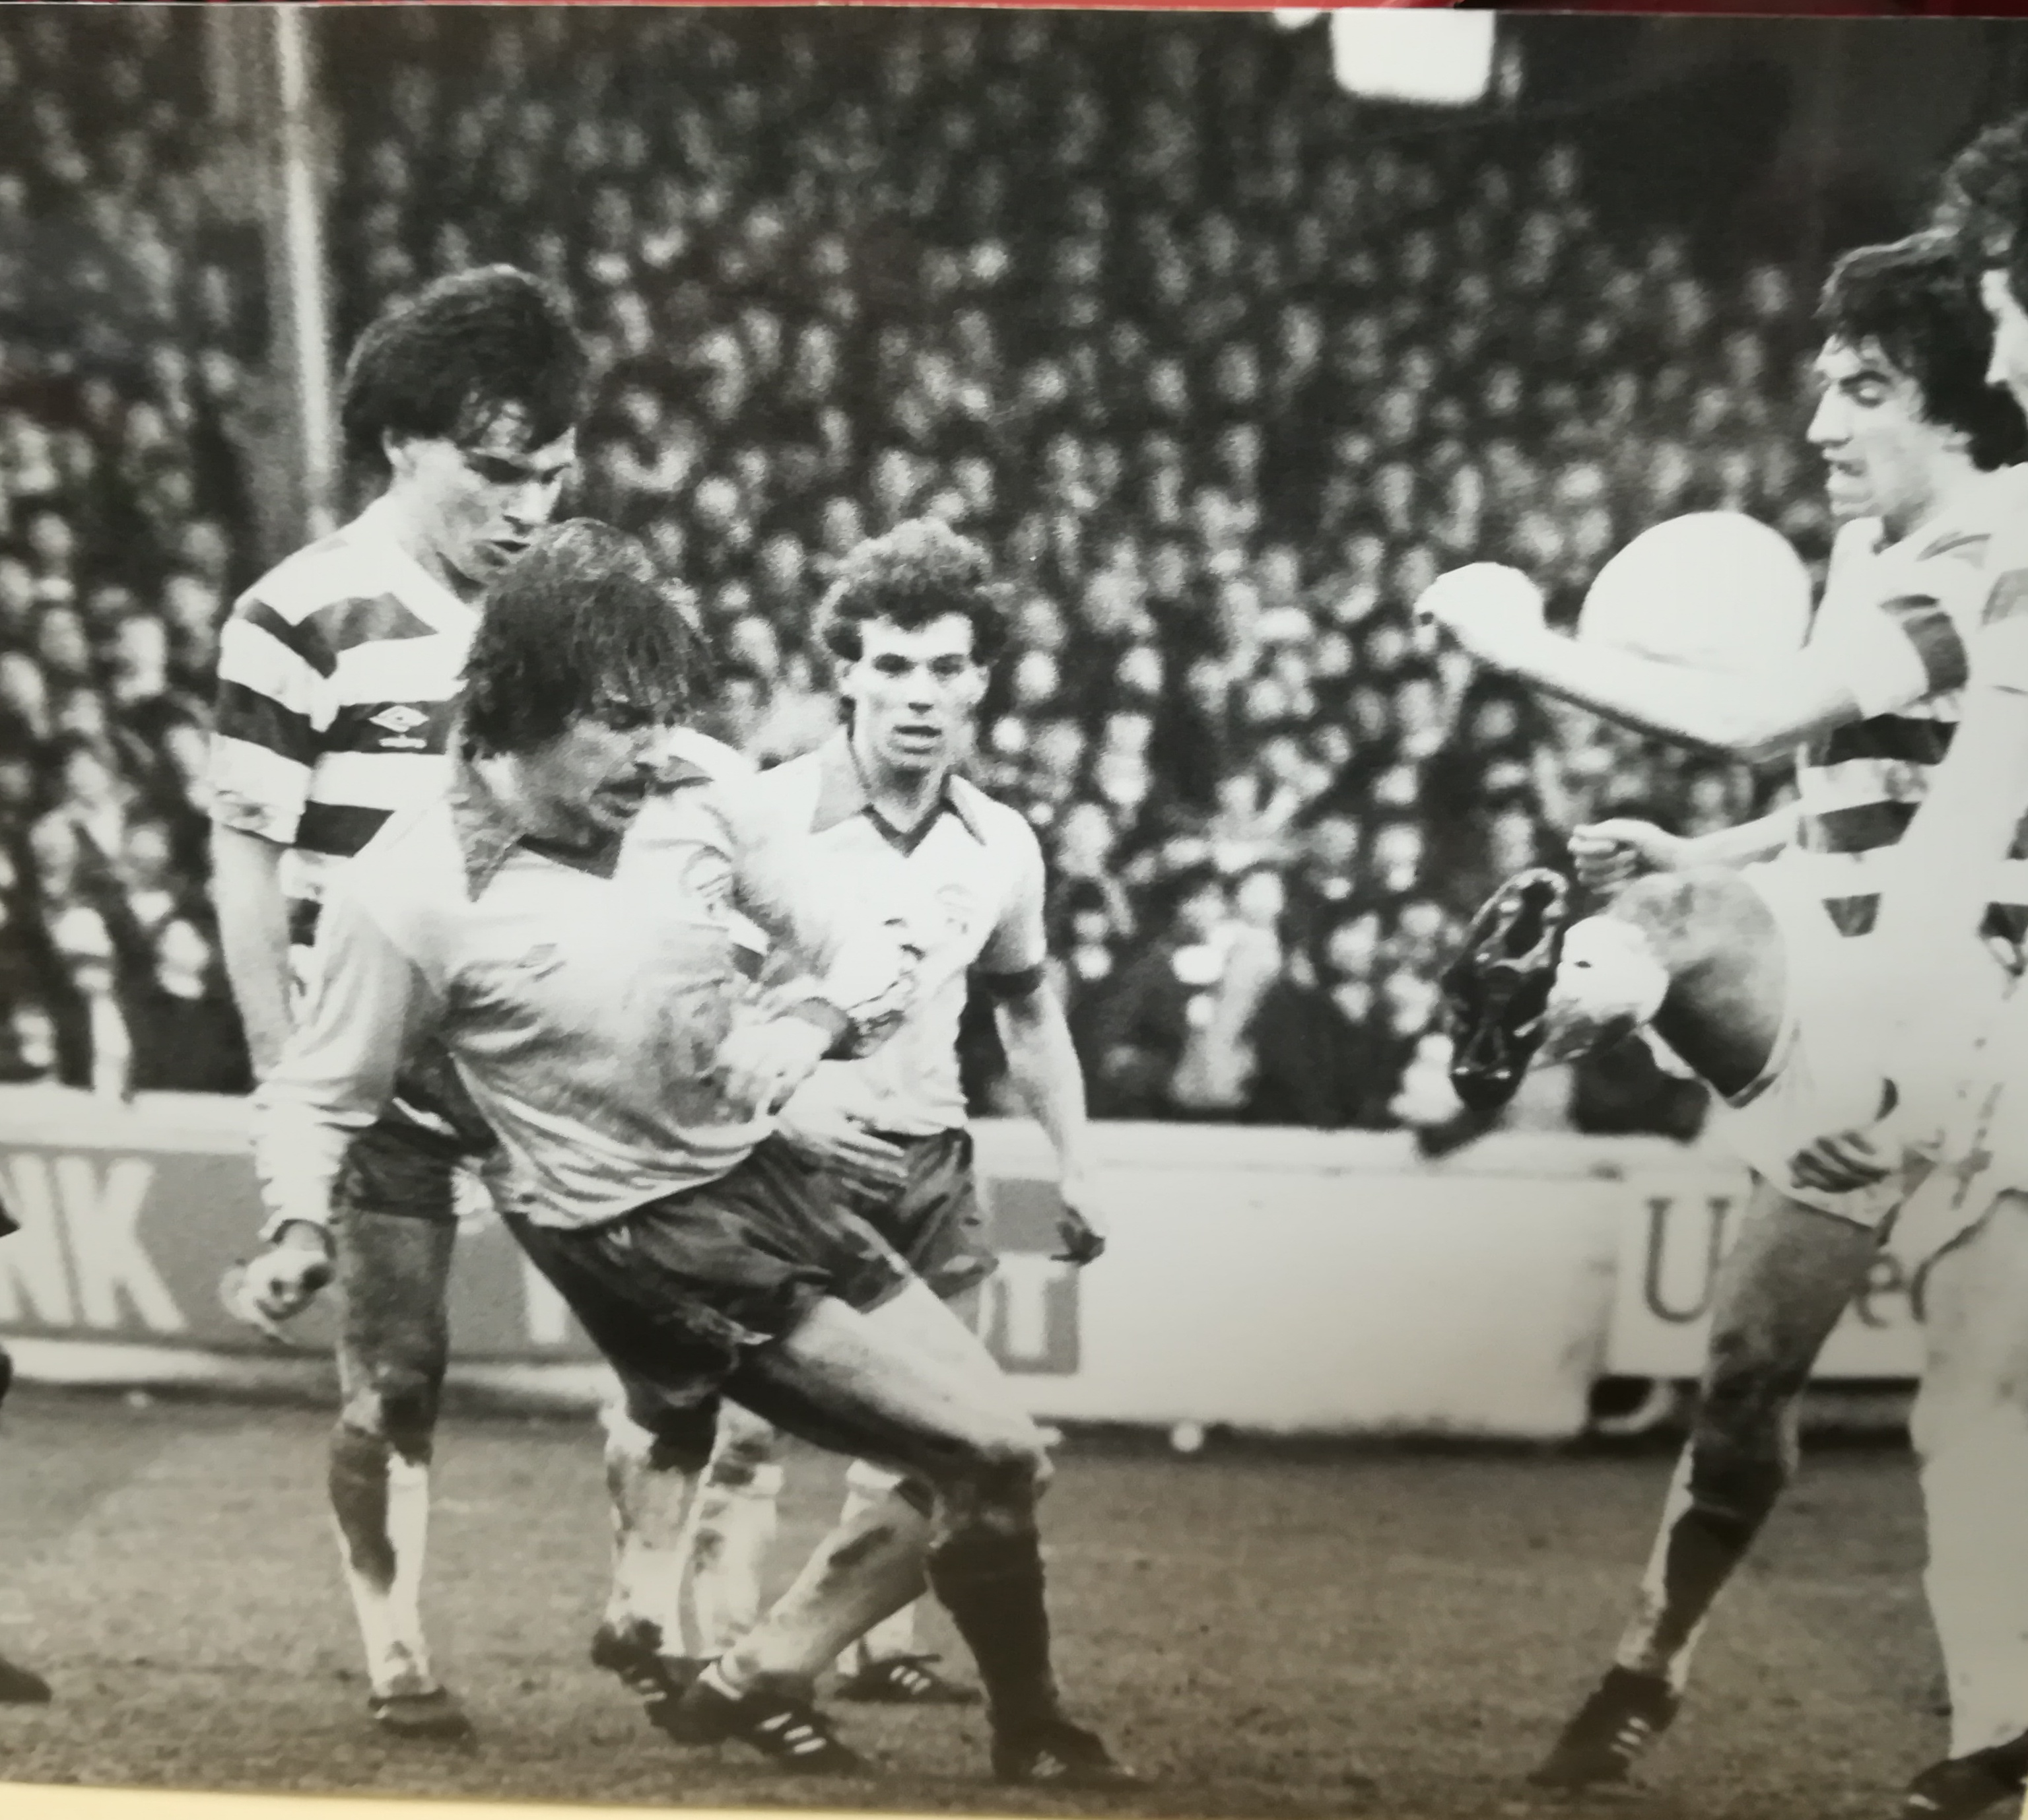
1483, 608
759, 1065
1608, 854
284, 1280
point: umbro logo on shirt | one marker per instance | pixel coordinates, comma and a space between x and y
399, 723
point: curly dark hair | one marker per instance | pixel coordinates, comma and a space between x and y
1915, 299
443, 362
1982, 200
915, 573
581, 617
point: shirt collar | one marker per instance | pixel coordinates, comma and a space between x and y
842, 793
373, 530
487, 834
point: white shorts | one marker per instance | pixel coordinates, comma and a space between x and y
1830, 1064
1984, 1153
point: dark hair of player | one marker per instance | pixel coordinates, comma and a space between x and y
1915, 300
1983, 201
443, 362
912, 575
581, 623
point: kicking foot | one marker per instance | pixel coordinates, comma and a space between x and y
634, 1654
904, 1681
788, 1732
1608, 984
434, 1714
1625, 1714
21, 1686
1496, 992
1059, 1755
1959, 1787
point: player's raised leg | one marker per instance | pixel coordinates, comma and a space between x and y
393, 1269
1703, 958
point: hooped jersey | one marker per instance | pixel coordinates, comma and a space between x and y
1901, 620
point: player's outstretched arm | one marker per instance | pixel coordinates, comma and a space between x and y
1494, 615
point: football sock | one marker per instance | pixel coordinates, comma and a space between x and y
865, 1486
733, 1529
992, 1584
651, 1498
380, 1503
867, 1568
1708, 1523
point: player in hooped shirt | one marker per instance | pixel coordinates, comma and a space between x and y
1751, 952
913, 623
1960, 1070
336, 676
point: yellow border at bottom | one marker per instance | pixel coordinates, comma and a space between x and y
39, 1801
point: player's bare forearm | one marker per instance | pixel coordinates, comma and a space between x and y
1753, 840
1043, 1068
1742, 716
254, 937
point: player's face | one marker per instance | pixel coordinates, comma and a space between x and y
589, 782
913, 693
2010, 335
1880, 451
476, 502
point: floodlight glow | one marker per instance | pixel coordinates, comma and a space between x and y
1439, 59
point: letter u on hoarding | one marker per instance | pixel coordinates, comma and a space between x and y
1653, 1291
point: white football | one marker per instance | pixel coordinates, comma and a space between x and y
1715, 589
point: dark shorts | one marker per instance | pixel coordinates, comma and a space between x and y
937, 1222
405, 1164
679, 1292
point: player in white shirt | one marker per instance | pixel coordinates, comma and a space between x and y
1969, 1223
1749, 951
913, 623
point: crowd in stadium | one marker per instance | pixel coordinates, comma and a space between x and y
1222, 382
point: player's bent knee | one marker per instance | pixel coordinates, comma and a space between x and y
1689, 914
397, 1402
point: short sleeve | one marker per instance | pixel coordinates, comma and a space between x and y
265, 740
1904, 651
2000, 648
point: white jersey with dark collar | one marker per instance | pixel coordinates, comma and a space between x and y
970, 878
